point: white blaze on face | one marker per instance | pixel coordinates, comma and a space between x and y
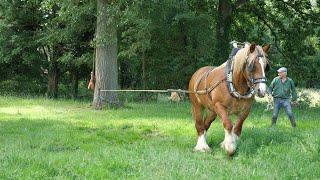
262, 86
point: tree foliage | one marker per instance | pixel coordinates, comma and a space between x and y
47, 46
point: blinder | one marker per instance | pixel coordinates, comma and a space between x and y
268, 67
250, 67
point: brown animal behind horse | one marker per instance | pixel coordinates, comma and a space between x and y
92, 81
249, 66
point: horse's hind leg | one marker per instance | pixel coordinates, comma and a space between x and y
200, 126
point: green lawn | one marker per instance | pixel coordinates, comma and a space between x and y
69, 140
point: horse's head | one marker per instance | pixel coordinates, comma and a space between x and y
256, 66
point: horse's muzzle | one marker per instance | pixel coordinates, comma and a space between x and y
260, 93
261, 90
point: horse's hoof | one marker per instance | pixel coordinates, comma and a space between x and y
204, 149
231, 153
230, 149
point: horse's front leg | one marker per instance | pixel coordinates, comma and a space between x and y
239, 123
230, 139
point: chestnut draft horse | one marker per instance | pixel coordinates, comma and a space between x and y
228, 89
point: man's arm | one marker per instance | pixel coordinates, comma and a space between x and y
293, 91
270, 89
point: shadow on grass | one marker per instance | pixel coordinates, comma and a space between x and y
256, 139
253, 140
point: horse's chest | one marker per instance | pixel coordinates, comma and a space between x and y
238, 106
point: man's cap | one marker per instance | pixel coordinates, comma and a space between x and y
234, 44
282, 69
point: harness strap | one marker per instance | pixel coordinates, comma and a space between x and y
206, 89
259, 80
195, 89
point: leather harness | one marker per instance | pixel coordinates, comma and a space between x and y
228, 79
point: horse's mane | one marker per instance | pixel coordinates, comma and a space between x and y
241, 58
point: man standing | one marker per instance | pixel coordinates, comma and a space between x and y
282, 88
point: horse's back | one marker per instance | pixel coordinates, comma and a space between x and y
202, 70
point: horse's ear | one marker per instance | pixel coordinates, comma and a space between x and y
252, 47
266, 48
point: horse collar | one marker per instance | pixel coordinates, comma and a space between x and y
231, 88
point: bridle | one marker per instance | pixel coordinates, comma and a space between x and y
250, 68
251, 82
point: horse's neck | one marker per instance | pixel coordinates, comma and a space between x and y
240, 83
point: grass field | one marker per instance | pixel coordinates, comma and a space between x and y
65, 139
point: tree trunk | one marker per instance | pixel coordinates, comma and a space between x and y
106, 70
53, 73
52, 90
75, 85
223, 26
226, 11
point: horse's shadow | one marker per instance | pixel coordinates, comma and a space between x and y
253, 140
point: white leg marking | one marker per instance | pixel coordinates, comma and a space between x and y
230, 142
202, 143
